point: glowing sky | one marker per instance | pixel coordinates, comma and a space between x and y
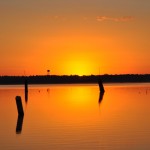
74, 36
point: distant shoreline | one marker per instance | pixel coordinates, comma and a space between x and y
74, 79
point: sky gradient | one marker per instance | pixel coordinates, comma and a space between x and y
81, 37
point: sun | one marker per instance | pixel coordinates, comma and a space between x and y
78, 67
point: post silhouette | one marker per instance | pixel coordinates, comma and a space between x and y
19, 106
26, 90
101, 87
19, 124
26, 97
101, 94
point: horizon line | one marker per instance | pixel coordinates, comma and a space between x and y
74, 75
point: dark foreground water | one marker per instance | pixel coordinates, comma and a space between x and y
72, 117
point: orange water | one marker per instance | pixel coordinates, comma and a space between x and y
70, 117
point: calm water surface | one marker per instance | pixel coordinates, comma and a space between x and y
72, 117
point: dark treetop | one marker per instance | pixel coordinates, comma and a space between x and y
64, 79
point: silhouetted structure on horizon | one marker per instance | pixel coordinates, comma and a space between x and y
48, 72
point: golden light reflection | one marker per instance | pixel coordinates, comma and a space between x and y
80, 103
79, 96
72, 104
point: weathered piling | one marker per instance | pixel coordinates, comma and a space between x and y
26, 86
101, 87
19, 106
101, 97
26, 90
19, 124
26, 97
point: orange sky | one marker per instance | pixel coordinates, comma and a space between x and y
74, 37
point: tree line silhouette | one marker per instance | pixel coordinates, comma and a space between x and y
65, 79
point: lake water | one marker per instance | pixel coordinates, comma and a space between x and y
72, 117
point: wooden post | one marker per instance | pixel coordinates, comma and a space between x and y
101, 97
26, 90
101, 87
19, 124
19, 106
26, 86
